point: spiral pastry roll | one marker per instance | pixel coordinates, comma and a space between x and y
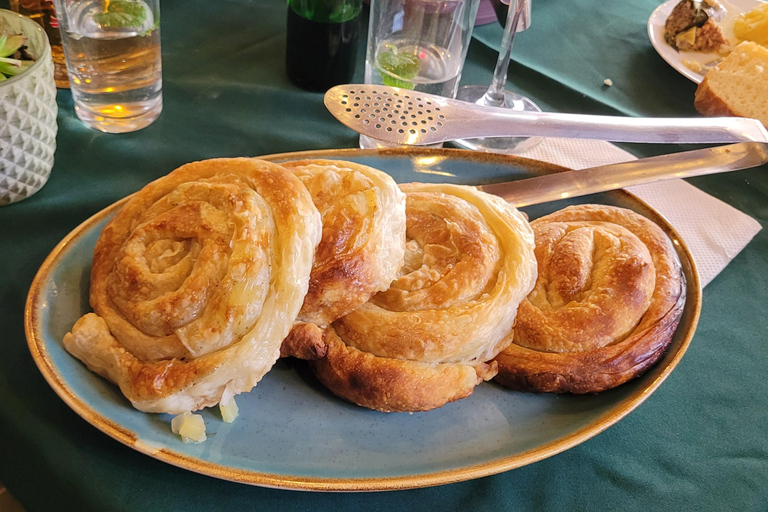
427, 339
607, 301
363, 243
196, 281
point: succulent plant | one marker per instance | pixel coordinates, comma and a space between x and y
13, 56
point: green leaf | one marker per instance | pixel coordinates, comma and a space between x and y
394, 82
9, 69
121, 14
8, 60
154, 26
401, 66
9, 44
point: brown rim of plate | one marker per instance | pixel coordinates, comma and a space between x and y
40, 355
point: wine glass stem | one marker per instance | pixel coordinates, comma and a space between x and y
494, 96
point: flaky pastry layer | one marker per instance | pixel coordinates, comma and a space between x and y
395, 385
468, 263
363, 243
608, 298
196, 281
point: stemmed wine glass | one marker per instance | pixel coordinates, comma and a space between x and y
496, 94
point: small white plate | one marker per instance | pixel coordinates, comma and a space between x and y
675, 58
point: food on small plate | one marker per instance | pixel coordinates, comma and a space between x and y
737, 86
609, 295
695, 66
429, 338
694, 25
195, 283
753, 25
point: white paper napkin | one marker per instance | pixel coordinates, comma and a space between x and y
714, 231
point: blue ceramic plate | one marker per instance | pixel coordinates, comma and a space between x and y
292, 432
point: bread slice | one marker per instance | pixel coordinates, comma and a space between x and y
738, 86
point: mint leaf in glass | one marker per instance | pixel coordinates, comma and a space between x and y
121, 14
404, 67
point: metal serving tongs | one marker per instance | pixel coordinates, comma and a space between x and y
401, 116
405, 117
686, 164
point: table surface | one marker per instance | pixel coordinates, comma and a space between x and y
699, 443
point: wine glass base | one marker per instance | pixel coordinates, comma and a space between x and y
507, 145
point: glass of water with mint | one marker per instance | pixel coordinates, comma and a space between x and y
419, 45
112, 48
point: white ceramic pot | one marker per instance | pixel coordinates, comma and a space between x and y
27, 116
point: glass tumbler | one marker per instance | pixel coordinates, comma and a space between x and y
112, 48
418, 45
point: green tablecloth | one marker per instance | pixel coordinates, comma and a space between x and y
699, 443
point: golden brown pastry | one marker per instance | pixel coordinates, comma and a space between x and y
426, 340
196, 281
363, 243
607, 301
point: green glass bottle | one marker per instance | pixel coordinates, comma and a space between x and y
322, 41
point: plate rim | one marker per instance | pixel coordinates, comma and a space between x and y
37, 346
661, 47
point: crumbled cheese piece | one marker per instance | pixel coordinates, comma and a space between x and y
190, 427
759, 68
725, 50
686, 40
229, 411
693, 65
608, 82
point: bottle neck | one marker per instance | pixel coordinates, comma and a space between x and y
327, 11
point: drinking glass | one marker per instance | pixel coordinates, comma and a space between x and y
496, 95
112, 48
418, 45
44, 13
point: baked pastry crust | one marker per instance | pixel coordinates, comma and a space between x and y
426, 340
607, 301
363, 243
196, 281
395, 385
